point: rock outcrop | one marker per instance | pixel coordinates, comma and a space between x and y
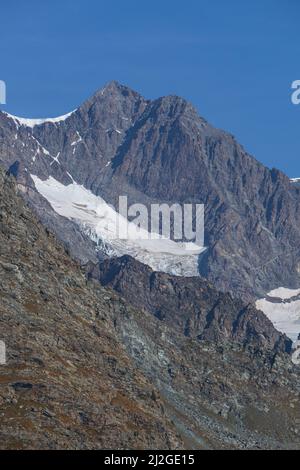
190, 304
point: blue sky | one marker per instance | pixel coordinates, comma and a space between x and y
235, 60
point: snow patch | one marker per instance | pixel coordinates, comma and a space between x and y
283, 312
70, 177
19, 121
113, 129
79, 139
45, 151
284, 293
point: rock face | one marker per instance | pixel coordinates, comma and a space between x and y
85, 370
190, 304
118, 143
217, 396
68, 382
219, 363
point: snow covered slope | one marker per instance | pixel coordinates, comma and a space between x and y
113, 233
36, 122
282, 307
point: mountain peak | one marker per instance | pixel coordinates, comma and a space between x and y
115, 88
113, 85
116, 93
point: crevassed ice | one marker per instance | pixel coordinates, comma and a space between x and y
99, 221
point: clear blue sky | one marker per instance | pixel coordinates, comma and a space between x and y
235, 60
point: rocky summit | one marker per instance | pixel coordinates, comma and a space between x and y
87, 369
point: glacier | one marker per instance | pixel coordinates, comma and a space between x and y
113, 233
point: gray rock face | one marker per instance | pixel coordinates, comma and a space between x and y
80, 146
118, 143
191, 305
218, 396
252, 213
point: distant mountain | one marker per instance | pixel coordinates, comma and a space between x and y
163, 151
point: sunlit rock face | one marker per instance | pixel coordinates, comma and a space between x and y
119, 143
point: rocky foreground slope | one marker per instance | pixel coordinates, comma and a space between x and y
68, 382
86, 370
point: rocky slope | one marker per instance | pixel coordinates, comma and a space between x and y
86, 370
68, 382
218, 396
190, 304
163, 151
